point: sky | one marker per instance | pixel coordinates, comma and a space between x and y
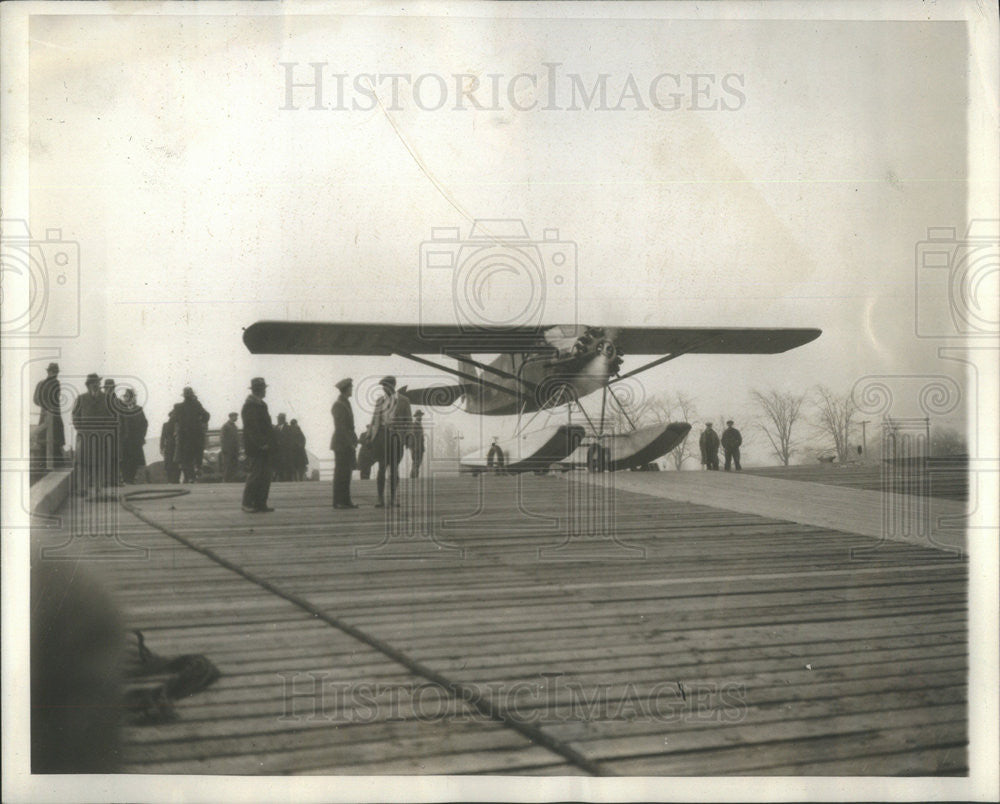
778, 173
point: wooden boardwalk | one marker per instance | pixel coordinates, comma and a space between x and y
538, 626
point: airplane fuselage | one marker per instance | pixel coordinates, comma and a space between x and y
567, 364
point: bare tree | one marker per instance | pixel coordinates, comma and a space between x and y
681, 407
780, 411
834, 417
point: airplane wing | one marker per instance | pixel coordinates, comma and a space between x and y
709, 341
305, 338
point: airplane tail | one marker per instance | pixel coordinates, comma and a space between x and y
438, 396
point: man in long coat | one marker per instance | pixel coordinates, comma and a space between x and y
168, 446
114, 443
258, 442
299, 458
343, 443
709, 444
281, 460
229, 454
47, 394
94, 436
192, 419
391, 424
133, 433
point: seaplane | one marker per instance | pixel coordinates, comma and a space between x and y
535, 369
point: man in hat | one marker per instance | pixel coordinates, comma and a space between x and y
731, 441
134, 426
258, 441
391, 422
114, 441
168, 446
93, 430
47, 394
229, 452
300, 459
192, 420
344, 440
282, 458
709, 443
416, 443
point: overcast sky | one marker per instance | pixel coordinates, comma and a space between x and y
790, 187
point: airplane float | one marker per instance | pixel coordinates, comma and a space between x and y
537, 368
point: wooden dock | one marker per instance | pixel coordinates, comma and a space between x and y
536, 625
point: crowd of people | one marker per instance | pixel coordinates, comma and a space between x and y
111, 431
183, 440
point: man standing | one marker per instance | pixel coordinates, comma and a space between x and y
229, 453
365, 455
258, 441
731, 440
114, 443
192, 419
344, 441
495, 457
47, 394
416, 444
390, 423
168, 446
300, 459
281, 458
133, 433
93, 431
709, 443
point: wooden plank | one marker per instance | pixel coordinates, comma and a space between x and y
718, 598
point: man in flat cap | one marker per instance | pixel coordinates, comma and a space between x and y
343, 443
709, 443
731, 441
258, 441
391, 423
50, 423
